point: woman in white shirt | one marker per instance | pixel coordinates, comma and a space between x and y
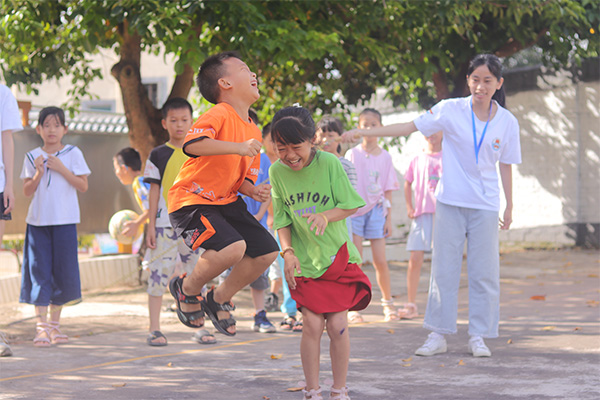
478, 133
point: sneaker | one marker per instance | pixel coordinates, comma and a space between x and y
5, 350
262, 323
478, 348
271, 302
435, 344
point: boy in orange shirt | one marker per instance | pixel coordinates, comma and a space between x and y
204, 206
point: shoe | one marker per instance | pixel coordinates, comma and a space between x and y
262, 323
5, 350
271, 302
339, 394
435, 344
354, 317
478, 348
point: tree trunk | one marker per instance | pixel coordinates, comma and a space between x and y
143, 119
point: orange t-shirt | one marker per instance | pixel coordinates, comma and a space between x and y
215, 180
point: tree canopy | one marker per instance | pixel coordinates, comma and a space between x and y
322, 54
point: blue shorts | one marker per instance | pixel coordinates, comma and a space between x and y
421, 233
370, 225
50, 272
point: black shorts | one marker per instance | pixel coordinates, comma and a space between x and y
3, 216
216, 227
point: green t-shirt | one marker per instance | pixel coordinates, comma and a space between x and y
321, 186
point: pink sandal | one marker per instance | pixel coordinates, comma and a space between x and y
42, 336
56, 336
408, 311
339, 394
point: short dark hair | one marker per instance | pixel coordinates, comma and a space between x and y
253, 116
330, 124
48, 111
372, 111
293, 125
130, 158
266, 130
495, 66
210, 72
176, 103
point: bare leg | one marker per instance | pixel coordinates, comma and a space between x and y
414, 273
357, 240
310, 347
154, 306
337, 329
276, 285
258, 299
382, 271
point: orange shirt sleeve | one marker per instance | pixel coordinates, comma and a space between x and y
254, 169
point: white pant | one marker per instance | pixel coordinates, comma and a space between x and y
452, 226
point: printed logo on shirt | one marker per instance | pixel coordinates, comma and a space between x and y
496, 144
308, 197
254, 171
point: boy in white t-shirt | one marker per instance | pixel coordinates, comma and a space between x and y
423, 173
9, 122
52, 174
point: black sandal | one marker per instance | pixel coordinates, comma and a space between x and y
210, 306
186, 318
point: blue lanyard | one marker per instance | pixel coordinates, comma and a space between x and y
476, 145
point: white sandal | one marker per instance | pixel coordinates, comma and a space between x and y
339, 394
408, 311
313, 394
389, 313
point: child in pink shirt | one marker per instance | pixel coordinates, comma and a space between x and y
424, 173
376, 181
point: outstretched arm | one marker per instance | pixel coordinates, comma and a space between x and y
506, 176
399, 129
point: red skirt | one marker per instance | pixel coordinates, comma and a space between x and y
342, 287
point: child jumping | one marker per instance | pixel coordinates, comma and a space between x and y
311, 197
424, 173
52, 174
204, 205
376, 181
478, 133
164, 248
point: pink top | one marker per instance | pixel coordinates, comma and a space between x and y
425, 171
376, 175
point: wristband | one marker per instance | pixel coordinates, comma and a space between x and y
325, 218
282, 252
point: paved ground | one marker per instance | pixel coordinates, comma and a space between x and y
547, 349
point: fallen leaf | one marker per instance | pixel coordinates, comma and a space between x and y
592, 275
276, 356
509, 341
592, 303
461, 362
294, 389
406, 365
118, 385
538, 297
530, 277
541, 284
170, 364
516, 292
567, 264
390, 331
577, 328
407, 359
266, 398
442, 365
549, 328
